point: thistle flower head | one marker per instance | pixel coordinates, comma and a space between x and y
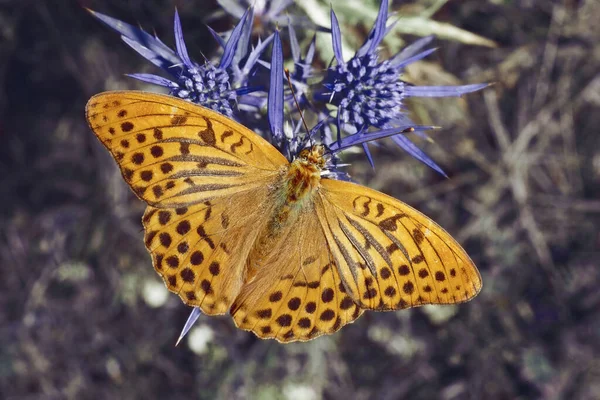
207, 85
369, 93
366, 92
217, 86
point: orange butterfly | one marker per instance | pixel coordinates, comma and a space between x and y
232, 226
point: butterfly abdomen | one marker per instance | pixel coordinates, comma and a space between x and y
292, 194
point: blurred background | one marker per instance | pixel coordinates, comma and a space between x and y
83, 314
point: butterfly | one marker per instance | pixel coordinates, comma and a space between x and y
233, 226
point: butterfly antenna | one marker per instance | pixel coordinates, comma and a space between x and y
287, 75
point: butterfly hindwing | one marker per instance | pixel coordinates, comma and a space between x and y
391, 255
201, 250
175, 153
297, 293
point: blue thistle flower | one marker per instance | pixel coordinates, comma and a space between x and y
219, 87
369, 93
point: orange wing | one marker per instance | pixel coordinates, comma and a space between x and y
390, 255
174, 153
296, 292
206, 179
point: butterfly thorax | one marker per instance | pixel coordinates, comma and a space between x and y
304, 175
298, 185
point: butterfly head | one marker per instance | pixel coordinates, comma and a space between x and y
313, 156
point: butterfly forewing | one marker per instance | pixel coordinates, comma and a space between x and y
201, 250
206, 178
174, 153
396, 256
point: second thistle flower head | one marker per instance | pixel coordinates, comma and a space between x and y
366, 92
369, 93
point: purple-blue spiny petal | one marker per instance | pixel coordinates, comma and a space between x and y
336, 37
154, 79
245, 37
310, 53
180, 43
295, 46
365, 147
442, 91
231, 44
277, 6
399, 62
339, 129
363, 137
154, 58
275, 100
255, 54
189, 323
417, 153
232, 7
414, 48
248, 89
250, 100
317, 128
142, 38
377, 32
216, 36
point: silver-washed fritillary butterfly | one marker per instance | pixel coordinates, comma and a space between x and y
232, 226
